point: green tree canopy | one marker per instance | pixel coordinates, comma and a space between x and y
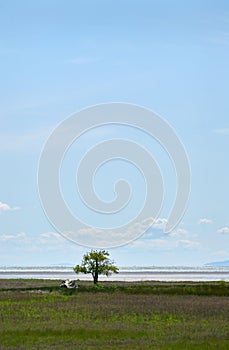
97, 263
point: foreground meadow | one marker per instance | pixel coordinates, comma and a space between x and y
37, 314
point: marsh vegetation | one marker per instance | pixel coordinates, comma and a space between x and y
37, 314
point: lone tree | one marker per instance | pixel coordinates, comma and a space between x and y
97, 263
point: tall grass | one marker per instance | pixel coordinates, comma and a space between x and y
112, 317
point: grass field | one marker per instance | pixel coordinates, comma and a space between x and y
37, 314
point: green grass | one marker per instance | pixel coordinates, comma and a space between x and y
36, 314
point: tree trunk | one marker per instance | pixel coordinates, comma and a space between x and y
96, 277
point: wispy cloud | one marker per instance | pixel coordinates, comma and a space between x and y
22, 141
185, 243
99, 237
165, 244
159, 223
154, 244
221, 38
179, 232
53, 236
7, 207
224, 229
19, 236
205, 221
222, 131
220, 253
82, 60
154, 238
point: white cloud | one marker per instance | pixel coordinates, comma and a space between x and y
100, 238
155, 244
165, 244
223, 230
106, 238
51, 236
160, 223
189, 244
7, 207
205, 221
18, 236
179, 232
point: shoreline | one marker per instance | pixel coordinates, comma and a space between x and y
134, 274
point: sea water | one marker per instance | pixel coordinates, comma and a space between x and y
134, 273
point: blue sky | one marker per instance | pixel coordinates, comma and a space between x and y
58, 57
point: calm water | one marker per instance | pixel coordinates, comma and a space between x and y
206, 273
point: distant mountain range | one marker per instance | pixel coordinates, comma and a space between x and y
218, 263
